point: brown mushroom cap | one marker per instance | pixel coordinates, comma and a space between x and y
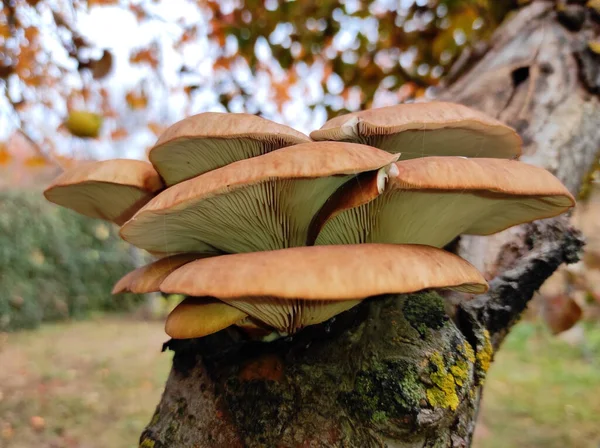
113, 190
262, 203
425, 129
211, 140
291, 288
196, 317
433, 200
148, 278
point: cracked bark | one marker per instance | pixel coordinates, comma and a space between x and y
397, 371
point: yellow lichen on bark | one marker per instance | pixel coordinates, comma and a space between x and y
485, 353
443, 393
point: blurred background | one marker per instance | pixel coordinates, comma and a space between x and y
101, 79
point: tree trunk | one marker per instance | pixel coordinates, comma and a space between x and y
407, 371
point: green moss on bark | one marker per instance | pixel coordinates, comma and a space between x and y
425, 311
389, 389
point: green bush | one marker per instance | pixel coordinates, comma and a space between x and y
56, 264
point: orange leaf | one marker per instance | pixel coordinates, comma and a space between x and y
222, 63
102, 2
5, 31
136, 100
35, 162
5, 156
156, 128
281, 92
31, 34
119, 134
145, 55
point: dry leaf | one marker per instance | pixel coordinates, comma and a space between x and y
136, 100
38, 423
119, 134
4, 155
156, 128
145, 55
560, 312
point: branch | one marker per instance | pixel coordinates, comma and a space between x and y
548, 244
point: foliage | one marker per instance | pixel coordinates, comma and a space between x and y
271, 57
55, 264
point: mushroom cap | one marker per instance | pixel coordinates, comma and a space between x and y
211, 140
148, 278
289, 289
113, 190
196, 317
262, 203
342, 272
425, 129
433, 200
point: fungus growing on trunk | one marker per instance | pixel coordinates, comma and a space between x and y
425, 129
289, 289
195, 317
113, 190
211, 140
148, 278
433, 200
262, 203
245, 194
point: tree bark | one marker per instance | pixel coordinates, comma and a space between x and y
407, 370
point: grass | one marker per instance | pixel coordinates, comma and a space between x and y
95, 384
542, 392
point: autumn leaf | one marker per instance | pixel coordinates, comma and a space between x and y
102, 67
5, 31
595, 5
35, 162
38, 423
145, 55
156, 128
102, 2
84, 124
281, 92
119, 134
139, 12
560, 312
5, 156
136, 100
594, 46
188, 35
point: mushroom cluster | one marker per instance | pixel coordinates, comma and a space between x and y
267, 229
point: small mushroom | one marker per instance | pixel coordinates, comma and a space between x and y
195, 317
113, 190
266, 202
289, 289
211, 140
433, 200
425, 129
148, 278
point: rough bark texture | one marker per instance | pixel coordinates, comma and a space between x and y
397, 371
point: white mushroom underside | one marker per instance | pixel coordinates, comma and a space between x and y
271, 215
432, 218
187, 158
440, 142
289, 316
100, 200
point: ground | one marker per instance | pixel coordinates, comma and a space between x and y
95, 384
